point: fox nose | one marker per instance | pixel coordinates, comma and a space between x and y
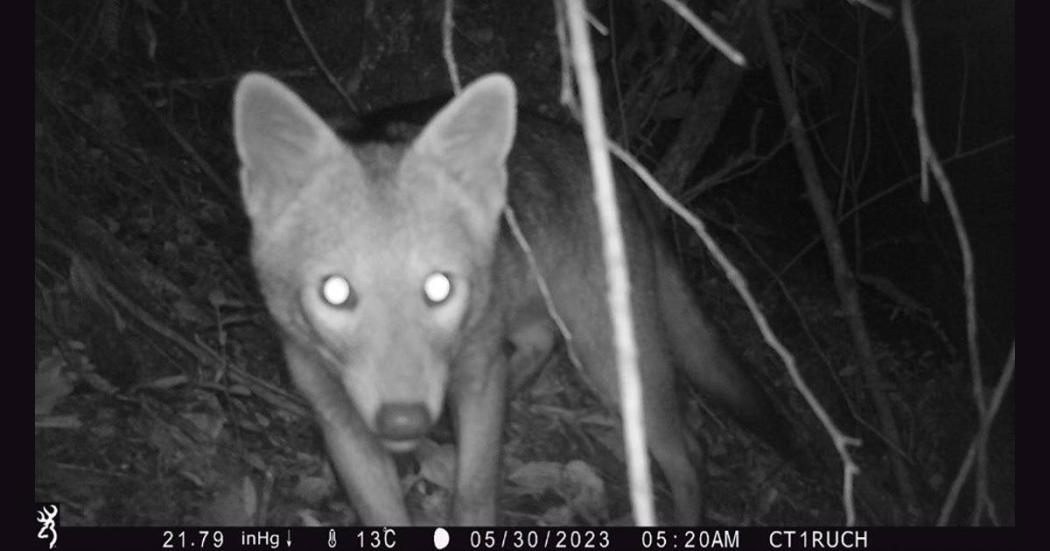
402, 421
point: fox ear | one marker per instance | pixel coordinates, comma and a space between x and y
472, 136
278, 139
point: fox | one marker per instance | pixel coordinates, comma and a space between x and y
399, 290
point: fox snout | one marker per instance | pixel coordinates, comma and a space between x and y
402, 422
399, 404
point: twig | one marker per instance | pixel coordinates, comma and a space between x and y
541, 282
877, 7
317, 58
707, 32
928, 159
1005, 379
840, 440
447, 25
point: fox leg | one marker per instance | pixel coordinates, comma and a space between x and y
531, 344
478, 390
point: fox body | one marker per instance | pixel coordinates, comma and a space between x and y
396, 284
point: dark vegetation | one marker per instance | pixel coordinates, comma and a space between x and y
161, 396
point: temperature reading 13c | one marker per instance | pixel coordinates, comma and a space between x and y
377, 538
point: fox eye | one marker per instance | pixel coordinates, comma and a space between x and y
437, 288
337, 291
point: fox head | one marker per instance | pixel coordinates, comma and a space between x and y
373, 259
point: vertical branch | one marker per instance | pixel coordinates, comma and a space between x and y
996, 400
317, 58
928, 159
845, 283
616, 267
447, 25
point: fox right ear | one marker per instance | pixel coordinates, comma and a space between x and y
471, 137
278, 139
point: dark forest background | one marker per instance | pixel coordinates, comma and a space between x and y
161, 396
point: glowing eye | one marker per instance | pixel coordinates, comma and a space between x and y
336, 291
437, 287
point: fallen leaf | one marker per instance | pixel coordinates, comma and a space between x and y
536, 477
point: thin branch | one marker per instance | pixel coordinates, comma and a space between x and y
1005, 379
928, 159
840, 440
317, 57
877, 7
707, 32
541, 282
447, 25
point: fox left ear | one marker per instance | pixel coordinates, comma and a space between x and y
278, 140
472, 136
